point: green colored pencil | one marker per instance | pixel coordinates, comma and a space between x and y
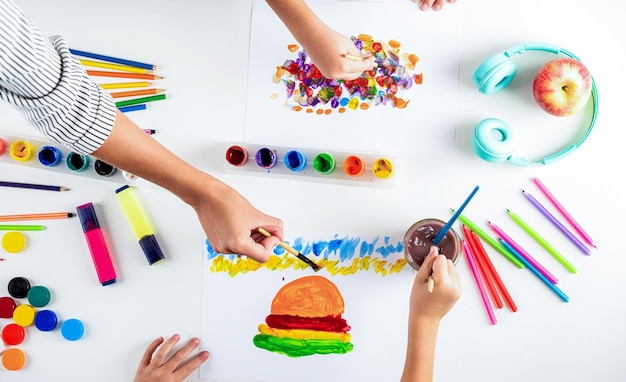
136, 101
539, 239
20, 227
490, 240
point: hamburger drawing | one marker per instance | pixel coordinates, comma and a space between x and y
306, 319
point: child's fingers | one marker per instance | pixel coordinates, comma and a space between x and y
192, 364
166, 347
147, 354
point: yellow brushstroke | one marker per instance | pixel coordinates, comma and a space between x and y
303, 334
235, 266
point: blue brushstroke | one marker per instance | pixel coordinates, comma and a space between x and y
344, 248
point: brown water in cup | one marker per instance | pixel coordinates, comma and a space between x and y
419, 238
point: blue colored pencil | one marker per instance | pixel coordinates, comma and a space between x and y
534, 270
447, 226
126, 109
121, 61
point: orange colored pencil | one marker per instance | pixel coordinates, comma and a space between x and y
50, 215
482, 253
132, 93
139, 76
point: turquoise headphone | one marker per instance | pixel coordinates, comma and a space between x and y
494, 139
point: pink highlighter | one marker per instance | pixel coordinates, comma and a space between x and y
97, 245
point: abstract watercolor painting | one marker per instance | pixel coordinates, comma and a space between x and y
271, 321
407, 100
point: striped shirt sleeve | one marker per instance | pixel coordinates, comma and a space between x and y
41, 78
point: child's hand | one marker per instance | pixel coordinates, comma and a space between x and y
446, 291
328, 53
161, 368
434, 4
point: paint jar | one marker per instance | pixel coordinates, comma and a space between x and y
382, 168
419, 238
3, 146
324, 163
294, 160
236, 155
21, 151
49, 156
353, 165
265, 158
104, 169
77, 162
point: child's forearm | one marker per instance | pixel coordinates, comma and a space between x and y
420, 353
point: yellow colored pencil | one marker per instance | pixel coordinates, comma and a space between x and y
126, 85
106, 65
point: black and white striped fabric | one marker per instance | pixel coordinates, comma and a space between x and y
49, 86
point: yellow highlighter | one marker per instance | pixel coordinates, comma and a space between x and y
139, 223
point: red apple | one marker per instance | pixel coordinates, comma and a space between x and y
562, 86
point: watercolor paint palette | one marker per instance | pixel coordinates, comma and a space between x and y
36, 152
356, 168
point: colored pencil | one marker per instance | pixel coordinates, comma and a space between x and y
557, 223
491, 241
133, 93
483, 253
543, 242
440, 235
138, 76
564, 212
105, 65
126, 109
50, 215
116, 60
482, 269
541, 277
523, 252
20, 227
479, 284
292, 250
136, 101
33, 186
125, 85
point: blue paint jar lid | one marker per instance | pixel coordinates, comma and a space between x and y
72, 329
46, 320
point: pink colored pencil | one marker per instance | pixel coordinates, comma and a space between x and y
523, 253
564, 212
479, 284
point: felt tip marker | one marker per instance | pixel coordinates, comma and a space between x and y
97, 246
139, 223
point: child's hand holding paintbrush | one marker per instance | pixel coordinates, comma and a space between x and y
293, 251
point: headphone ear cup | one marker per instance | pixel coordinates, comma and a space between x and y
493, 140
494, 74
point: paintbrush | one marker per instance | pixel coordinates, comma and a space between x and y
293, 251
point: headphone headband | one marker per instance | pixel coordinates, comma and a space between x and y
497, 72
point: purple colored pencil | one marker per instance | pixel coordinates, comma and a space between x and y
557, 223
564, 212
523, 253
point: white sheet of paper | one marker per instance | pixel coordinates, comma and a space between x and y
376, 309
425, 126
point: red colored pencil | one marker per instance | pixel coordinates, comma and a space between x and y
483, 270
483, 254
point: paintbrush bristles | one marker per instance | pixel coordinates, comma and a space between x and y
292, 250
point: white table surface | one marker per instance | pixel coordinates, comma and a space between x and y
546, 340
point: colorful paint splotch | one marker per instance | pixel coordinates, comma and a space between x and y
307, 89
343, 256
306, 319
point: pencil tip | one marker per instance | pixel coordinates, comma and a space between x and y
71, 214
64, 189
